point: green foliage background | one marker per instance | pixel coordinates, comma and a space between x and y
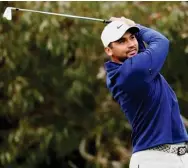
55, 110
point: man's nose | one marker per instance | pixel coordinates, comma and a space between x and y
130, 43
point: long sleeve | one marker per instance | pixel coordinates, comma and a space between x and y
143, 67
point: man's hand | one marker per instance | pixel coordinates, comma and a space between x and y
127, 21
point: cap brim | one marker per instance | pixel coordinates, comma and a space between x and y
133, 30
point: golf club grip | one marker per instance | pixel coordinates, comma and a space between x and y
107, 21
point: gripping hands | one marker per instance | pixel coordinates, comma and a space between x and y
127, 21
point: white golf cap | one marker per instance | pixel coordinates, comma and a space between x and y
114, 31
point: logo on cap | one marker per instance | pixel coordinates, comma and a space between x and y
119, 26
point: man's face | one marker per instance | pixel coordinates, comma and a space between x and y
125, 47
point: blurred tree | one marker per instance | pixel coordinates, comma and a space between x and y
55, 108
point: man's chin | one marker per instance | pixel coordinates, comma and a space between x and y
122, 59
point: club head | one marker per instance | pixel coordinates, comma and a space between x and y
8, 13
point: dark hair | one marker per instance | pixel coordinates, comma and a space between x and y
110, 45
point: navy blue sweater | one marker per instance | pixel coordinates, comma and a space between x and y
145, 97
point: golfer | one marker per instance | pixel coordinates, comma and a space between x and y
159, 137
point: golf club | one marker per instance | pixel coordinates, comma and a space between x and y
8, 14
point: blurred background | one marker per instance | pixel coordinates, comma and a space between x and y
55, 109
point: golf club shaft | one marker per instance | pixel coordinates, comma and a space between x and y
59, 14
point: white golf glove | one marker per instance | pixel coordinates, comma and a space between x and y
127, 21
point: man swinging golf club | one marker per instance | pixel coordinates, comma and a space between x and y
159, 137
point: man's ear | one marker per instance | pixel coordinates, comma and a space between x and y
108, 51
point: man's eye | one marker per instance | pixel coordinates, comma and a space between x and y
121, 41
132, 37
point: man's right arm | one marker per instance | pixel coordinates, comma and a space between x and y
143, 67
